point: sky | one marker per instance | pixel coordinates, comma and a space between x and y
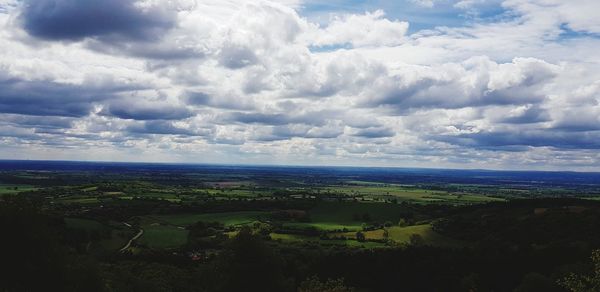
495, 84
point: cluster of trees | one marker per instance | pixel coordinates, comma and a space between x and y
34, 254
531, 252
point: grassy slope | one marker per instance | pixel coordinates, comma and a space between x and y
119, 236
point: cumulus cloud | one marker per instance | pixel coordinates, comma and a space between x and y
424, 3
369, 29
578, 15
525, 114
252, 81
475, 82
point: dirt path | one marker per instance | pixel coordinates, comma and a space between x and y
131, 240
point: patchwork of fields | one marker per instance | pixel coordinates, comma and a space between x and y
328, 212
331, 223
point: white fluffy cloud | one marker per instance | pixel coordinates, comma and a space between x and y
241, 81
369, 29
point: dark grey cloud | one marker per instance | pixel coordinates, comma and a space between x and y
535, 138
17, 132
78, 19
321, 133
259, 118
142, 110
533, 114
580, 119
164, 128
316, 118
47, 98
380, 132
288, 132
230, 102
521, 83
449, 95
164, 50
47, 122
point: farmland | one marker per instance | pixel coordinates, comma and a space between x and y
170, 223
7, 189
227, 218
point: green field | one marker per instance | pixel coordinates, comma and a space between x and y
300, 239
345, 212
406, 193
324, 226
227, 218
119, 234
330, 216
79, 200
163, 236
10, 189
232, 192
402, 235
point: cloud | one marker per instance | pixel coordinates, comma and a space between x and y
579, 15
146, 110
374, 133
508, 83
165, 128
502, 139
227, 101
237, 56
369, 29
48, 122
329, 131
77, 19
317, 118
47, 98
475, 82
579, 119
424, 3
525, 114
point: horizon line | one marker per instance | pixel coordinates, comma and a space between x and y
291, 165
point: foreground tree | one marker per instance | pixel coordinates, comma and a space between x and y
581, 283
360, 236
248, 264
34, 254
313, 284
